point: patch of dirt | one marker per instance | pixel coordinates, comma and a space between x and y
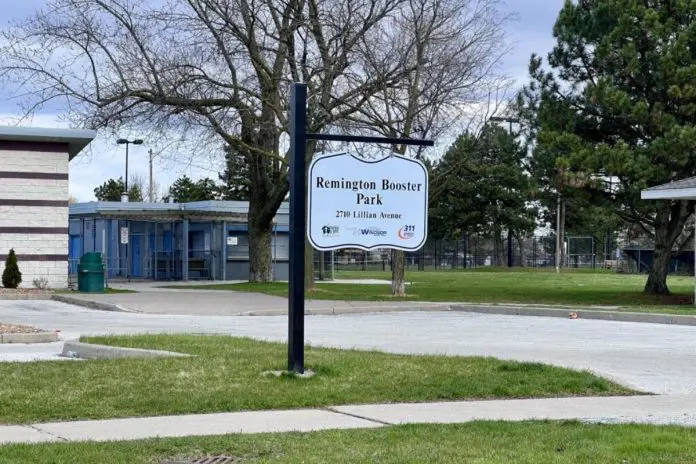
18, 329
668, 300
23, 291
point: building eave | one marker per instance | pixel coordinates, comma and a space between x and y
76, 139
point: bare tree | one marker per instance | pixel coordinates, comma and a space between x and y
452, 48
213, 71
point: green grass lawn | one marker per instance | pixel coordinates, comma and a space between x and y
226, 375
567, 288
477, 442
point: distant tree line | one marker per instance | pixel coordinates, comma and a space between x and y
232, 185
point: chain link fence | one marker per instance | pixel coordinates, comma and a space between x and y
476, 252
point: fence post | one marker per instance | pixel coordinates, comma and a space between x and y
593, 253
106, 259
534, 251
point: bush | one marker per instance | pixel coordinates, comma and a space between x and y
41, 283
11, 277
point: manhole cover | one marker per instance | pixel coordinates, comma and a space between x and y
206, 460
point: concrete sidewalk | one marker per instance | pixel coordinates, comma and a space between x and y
673, 409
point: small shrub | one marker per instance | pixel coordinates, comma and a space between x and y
11, 277
41, 283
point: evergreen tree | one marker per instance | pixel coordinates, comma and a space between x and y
618, 105
480, 187
235, 177
112, 189
184, 190
11, 277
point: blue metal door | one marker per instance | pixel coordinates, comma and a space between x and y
74, 252
136, 262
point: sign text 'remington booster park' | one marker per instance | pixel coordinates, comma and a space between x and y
367, 204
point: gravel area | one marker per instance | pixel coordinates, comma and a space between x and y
23, 291
18, 328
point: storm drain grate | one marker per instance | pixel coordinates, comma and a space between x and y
206, 460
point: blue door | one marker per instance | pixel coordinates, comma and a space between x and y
74, 252
136, 262
167, 241
166, 255
151, 253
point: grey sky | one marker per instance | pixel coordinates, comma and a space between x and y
529, 33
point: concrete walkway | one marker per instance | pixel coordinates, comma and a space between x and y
674, 409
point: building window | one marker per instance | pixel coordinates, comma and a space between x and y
237, 245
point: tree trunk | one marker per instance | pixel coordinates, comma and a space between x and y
398, 273
662, 255
669, 223
562, 232
499, 248
260, 254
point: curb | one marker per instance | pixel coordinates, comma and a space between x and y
90, 304
501, 309
39, 337
77, 349
618, 316
350, 310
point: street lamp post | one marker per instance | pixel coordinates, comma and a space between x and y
509, 244
127, 142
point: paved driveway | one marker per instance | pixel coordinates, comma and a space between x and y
650, 357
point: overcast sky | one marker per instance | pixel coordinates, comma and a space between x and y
529, 33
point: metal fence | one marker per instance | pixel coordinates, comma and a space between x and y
477, 252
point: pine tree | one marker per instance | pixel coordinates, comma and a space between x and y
11, 277
616, 103
235, 177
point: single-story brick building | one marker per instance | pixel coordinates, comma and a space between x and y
205, 240
34, 199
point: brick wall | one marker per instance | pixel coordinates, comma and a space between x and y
34, 211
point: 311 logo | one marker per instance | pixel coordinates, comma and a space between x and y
406, 232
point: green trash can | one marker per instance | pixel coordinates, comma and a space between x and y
90, 273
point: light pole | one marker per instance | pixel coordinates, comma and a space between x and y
505, 119
127, 142
509, 244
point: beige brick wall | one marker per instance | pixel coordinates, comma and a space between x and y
33, 216
56, 272
33, 189
33, 161
34, 244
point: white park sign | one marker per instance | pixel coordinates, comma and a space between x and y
367, 204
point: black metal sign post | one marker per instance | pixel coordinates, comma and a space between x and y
298, 209
298, 213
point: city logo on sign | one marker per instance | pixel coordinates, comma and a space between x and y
373, 231
406, 232
329, 231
